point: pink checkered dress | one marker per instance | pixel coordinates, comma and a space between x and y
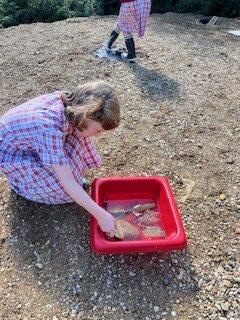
133, 16
35, 136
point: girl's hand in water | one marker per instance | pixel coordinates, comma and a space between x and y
107, 223
105, 220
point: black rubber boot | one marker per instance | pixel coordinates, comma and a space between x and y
112, 38
131, 55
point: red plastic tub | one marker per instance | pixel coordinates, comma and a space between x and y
132, 190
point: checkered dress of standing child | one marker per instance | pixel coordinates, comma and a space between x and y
36, 136
133, 16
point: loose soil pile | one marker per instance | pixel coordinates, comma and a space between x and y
180, 118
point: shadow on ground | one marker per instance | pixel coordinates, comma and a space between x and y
57, 237
153, 84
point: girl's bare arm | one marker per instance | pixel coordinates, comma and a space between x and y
76, 192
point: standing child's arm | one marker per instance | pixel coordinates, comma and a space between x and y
76, 192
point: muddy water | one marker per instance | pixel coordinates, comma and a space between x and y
136, 219
113, 55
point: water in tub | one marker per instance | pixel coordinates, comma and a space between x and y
136, 219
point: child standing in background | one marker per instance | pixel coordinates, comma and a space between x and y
132, 18
45, 146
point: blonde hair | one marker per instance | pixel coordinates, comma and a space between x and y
94, 100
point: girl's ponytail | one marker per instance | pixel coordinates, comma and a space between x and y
96, 101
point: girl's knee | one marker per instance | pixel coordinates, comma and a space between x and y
117, 29
127, 35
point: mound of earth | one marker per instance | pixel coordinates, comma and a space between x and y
180, 118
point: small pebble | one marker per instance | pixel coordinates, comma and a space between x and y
39, 265
222, 196
166, 281
200, 282
237, 230
225, 306
156, 309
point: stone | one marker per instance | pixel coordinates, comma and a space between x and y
39, 265
225, 306
200, 283
156, 309
237, 230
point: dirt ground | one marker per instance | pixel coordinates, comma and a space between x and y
180, 118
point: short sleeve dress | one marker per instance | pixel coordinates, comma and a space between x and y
36, 136
133, 16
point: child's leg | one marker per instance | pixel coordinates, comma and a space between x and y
113, 37
131, 55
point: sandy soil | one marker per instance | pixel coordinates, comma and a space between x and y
180, 118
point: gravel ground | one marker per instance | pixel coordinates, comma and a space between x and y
180, 118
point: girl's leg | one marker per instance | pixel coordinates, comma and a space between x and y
113, 37
131, 55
